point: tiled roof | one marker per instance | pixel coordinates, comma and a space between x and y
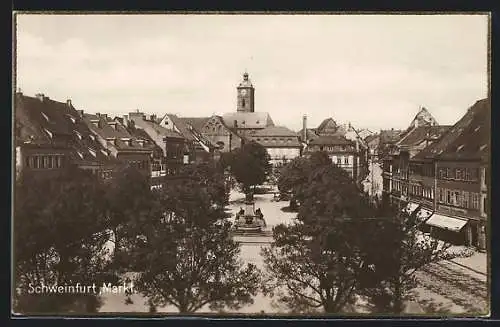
191, 134
423, 118
118, 133
276, 136
419, 134
155, 126
63, 120
390, 136
469, 138
275, 131
196, 122
324, 123
370, 138
311, 134
331, 140
248, 119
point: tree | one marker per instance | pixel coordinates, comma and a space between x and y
318, 263
130, 203
58, 240
187, 257
249, 165
293, 177
400, 252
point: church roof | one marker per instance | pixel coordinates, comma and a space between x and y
247, 120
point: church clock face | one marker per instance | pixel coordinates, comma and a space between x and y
243, 92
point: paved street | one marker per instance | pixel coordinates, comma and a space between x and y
375, 175
457, 286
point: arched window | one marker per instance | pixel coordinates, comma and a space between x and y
243, 102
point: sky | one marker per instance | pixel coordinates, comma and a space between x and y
374, 71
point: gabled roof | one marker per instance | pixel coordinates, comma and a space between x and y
423, 118
469, 138
190, 133
390, 136
118, 133
63, 120
419, 134
196, 122
155, 126
324, 124
247, 120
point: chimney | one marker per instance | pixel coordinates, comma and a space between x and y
126, 121
235, 123
98, 115
304, 128
68, 102
81, 112
40, 96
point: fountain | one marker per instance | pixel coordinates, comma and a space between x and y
249, 219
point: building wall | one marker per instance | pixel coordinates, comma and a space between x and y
40, 160
279, 155
141, 161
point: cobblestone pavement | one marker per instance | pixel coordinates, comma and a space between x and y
459, 289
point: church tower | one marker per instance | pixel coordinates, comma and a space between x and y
245, 95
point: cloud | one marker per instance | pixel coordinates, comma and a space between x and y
373, 71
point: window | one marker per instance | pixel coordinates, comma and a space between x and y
46, 161
442, 173
432, 193
485, 205
346, 160
457, 199
458, 173
448, 173
467, 174
474, 173
49, 162
242, 102
465, 199
27, 161
339, 161
448, 197
475, 200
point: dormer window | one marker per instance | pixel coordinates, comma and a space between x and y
73, 119
48, 132
78, 135
104, 152
92, 152
482, 147
95, 123
460, 147
477, 128
80, 154
46, 117
113, 125
92, 137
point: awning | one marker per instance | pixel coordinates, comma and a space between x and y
449, 223
423, 214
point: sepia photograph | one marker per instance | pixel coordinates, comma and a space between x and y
251, 164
